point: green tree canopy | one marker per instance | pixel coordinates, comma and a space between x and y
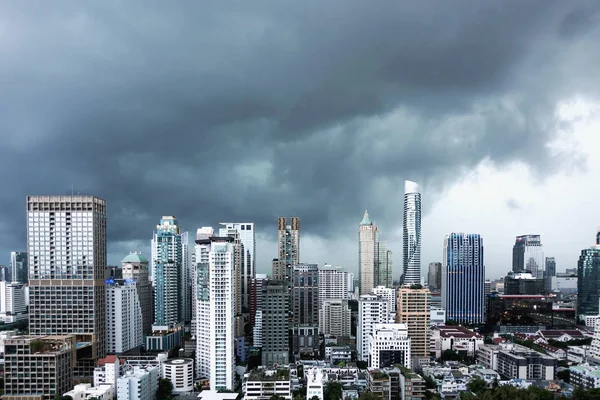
165, 390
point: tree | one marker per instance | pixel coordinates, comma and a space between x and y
368, 396
565, 375
314, 398
165, 389
332, 391
430, 382
477, 385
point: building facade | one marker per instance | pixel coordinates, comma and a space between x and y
528, 255
247, 235
335, 318
411, 235
18, 266
588, 282
463, 278
275, 321
367, 237
13, 305
333, 283
288, 249
434, 276
124, 330
371, 310
414, 310
66, 250
389, 345
305, 308
383, 265
135, 267
550, 267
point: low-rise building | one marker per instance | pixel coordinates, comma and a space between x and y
180, 371
577, 354
523, 363
412, 385
338, 354
261, 384
378, 382
487, 355
138, 383
457, 338
314, 383
389, 345
585, 376
85, 391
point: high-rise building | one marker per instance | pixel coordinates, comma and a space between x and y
248, 239
411, 235
275, 334
413, 309
288, 249
215, 295
333, 283
383, 265
135, 267
66, 250
588, 282
255, 297
367, 237
528, 255
434, 277
123, 317
185, 280
523, 283
335, 318
550, 267
371, 310
239, 252
167, 262
18, 266
305, 308
463, 278
13, 306
389, 294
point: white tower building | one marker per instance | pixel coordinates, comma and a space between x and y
411, 235
371, 310
389, 344
333, 283
247, 237
124, 330
367, 237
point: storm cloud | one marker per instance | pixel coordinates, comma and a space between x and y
217, 111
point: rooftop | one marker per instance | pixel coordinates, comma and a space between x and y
447, 331
134, 257
269, 375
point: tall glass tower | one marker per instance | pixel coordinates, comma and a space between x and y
411, 235
588, 282
463, 278
528, 255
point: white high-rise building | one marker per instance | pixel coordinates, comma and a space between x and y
387, 293
186, 279
12, 299
411, 235
333, 283
247, 237
335, 318
371, 310
367, 237
389, 345
124, 327
257, 330
138, 383
215, 296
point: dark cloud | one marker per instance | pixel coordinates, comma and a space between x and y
316, 109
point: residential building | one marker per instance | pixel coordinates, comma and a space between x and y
256, 307
455, 337
262, 384
247, 235
335, 318
371, 310
215, 296
305, 302
180, 371
338, 354
288, 250
334, 283
585, 376
383, 265
412, 385
85, 391
367, 237
124, 331
107, 371
434, 277
588, 282
167, 265
379, 383
523, 363
275, 334
185, 281
18, 266
389, 294
66, 247
135, 267
389, 345
487, 355
12, 301
22, 357
138, 383
411, 235
413, 310
528, 255
463, 278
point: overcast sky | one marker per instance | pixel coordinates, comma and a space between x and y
247, 111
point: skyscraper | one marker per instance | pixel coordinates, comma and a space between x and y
463, 278
588, 282
528, 255
333, 283
411, 235
215, 296
18, 265
383, 265
135, 267
238, 262
367, 237
288, 249
123, 316
66, 249
167, 261
413, 310
550, 267
275, 332
305, 308
185, 281
371, 310
434, 277
248, 239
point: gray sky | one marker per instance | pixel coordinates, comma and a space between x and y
247, 111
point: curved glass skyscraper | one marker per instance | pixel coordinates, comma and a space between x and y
411, 235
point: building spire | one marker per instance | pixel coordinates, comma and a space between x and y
366, 220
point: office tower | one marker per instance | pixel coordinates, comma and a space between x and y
66, 250
305, 307
463, 278
215, 295
413, 309
255, 296
248, 239
387, 293
389, 345
550, 267
12, 302
275, 346
335, 318
528, 255
588, 282
383, 265
333, 283
487, 289
434, 277
185, 281
123, 317
45, 361
411, 235
371, 310
367, 237
523, 283
288, 249
135, 267
18, 266
167, 265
